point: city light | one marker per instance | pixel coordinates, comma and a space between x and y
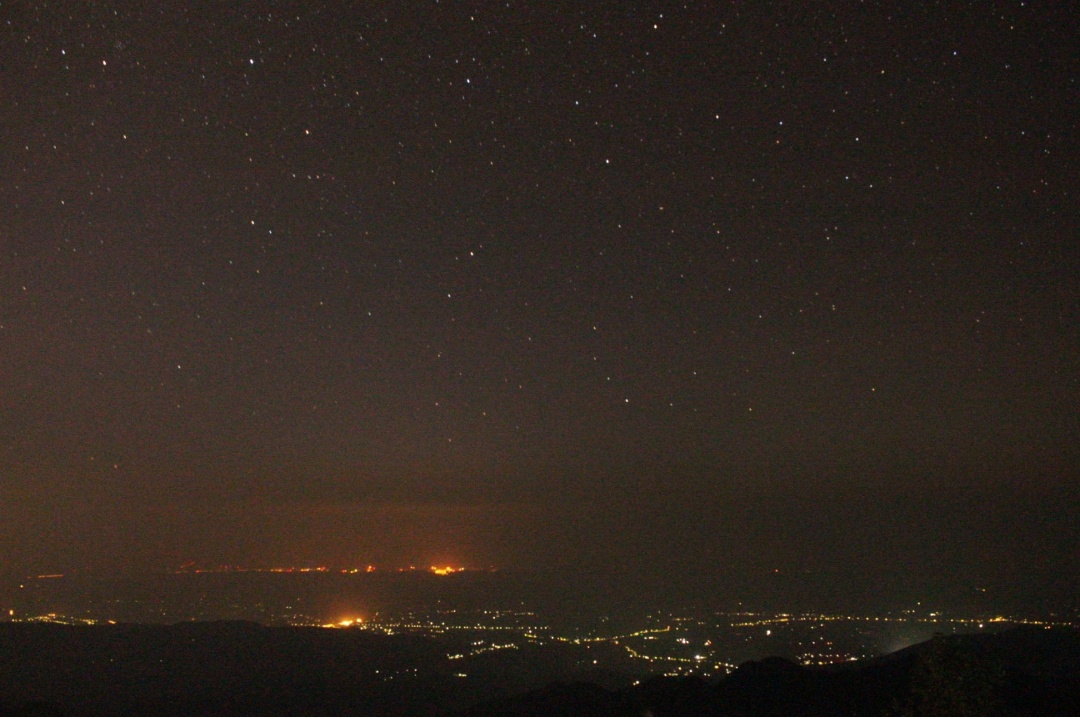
367, 569
443, 571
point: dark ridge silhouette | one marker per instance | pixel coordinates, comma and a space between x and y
557, 699
242, 668
1027, 671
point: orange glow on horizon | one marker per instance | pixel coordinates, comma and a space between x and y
443, 571
368, 568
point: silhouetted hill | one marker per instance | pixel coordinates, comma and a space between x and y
1022, 672
241, 668
238, 667
214, 668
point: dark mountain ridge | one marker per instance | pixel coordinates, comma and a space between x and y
217, 668
1025, 671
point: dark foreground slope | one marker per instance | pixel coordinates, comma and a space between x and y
1021, 672
216, 668
248, 669
244, 668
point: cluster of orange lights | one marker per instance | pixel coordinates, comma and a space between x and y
441, 571
346, 622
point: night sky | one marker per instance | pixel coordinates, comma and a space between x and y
646, 291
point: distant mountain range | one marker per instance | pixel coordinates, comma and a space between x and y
242, 668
